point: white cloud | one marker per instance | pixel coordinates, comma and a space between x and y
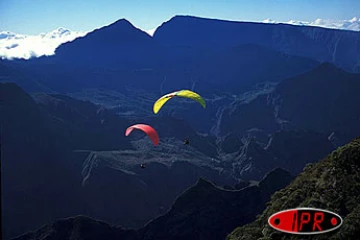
151, 31
352, 24
26, 46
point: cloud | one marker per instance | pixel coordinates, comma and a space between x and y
151, 31
352, 24
26, 46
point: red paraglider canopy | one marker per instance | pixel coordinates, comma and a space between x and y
152, 134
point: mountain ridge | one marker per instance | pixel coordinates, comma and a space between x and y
307, 41
331, 184
189, 199
51, 40
315, 100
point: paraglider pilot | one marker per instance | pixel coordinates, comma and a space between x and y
186, 142
142, 165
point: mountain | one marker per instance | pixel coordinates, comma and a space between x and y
132, 196
242, 66
78, 227
64, 157
322, 100
84, 145
120, 56
331, 45
290, 150
15, 73
202, 211
119, 43
115, 57
83, 125
332, 184
207, 212
26, 46
39, 180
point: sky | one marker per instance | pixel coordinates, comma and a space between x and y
39, 16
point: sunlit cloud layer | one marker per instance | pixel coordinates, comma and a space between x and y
352, 24
26, 46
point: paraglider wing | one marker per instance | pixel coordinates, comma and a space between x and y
161, 101
152, 134
192, 95
183, 93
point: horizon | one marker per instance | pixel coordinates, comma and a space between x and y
22, 46
43, 16
264, 21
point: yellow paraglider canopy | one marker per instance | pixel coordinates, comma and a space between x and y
182, 93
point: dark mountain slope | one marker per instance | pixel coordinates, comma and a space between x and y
14, 72
290, 150
43, 170
180, 129
119, 56
331, 184
204, 211
338, 46
36, 175
208, 212
112, 56
83, 125
323, 100
131, 198
242, 66
77, 228
119, 43
241, 116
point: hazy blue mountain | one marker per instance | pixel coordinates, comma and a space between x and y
332, 45
14, 72
79, 227
119, 44
208, 212
47, 146
120, 56
203, 211
290, 150
269, 104
237, 69
323, 100
39, 180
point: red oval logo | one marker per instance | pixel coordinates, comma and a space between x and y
305, 221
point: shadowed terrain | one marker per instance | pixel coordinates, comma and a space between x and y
278, 96
332, 184
204, 211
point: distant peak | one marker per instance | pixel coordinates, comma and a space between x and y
120, 26
122, 20
121, 23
